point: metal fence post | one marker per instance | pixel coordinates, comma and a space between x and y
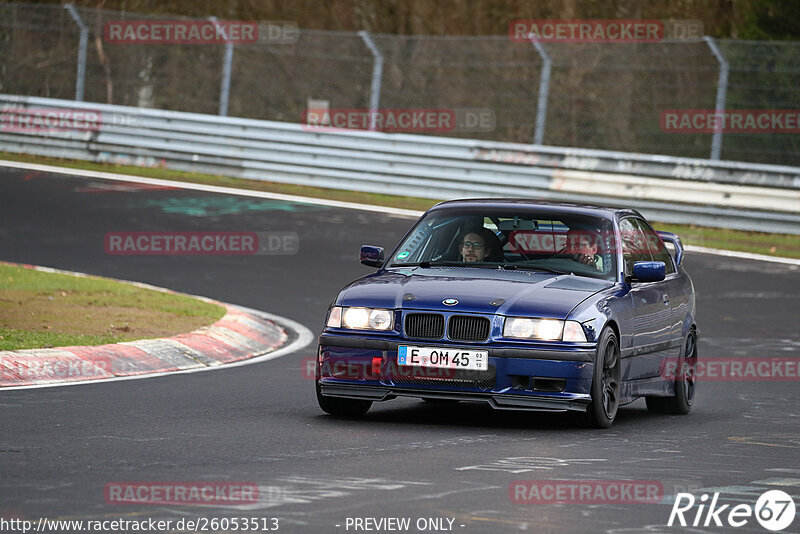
227, 63
84, 40
722, 89
377, 73
544, 91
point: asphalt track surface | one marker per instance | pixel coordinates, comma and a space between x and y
60, 446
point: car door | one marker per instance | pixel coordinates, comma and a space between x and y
676, 284
651, 308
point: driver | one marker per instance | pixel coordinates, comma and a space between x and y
473, 248
478, 244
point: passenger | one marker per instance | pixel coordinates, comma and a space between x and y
582, 246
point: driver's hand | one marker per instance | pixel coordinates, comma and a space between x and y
584, 259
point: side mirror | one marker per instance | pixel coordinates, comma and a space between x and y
649, 271
675, 241
371, 256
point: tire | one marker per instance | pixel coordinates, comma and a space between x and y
682, 401
342, 407
605, 391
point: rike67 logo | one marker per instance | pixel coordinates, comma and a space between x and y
774, 510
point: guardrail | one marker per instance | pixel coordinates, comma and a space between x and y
724, 194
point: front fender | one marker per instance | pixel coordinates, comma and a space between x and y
611, 305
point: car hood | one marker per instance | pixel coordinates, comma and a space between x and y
477, 290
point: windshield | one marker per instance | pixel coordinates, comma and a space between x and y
554, 242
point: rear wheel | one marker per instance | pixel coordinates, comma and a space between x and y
605, 382
680, 403
342, 407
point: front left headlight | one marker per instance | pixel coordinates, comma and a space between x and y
543, 329
361, 318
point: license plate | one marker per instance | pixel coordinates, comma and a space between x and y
446, 358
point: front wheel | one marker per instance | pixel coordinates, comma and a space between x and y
680, 403
342, 407
605, 382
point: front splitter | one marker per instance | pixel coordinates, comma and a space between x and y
497, 401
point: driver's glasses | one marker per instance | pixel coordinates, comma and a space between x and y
475, 245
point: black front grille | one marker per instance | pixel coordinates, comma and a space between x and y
425, 325
468, 328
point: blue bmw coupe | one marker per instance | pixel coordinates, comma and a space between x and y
522, 304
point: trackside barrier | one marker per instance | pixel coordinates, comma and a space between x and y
680, 190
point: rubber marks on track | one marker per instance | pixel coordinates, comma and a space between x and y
237, 336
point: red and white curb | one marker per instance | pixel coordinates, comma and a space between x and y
243, 336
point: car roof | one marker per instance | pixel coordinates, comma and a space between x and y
535, 204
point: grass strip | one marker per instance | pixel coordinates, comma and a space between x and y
42, 310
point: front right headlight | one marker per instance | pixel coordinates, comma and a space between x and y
524, 328
543, 329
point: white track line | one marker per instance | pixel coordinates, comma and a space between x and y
742, 255
317, 201
208, 188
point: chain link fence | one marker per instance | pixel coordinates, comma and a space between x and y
606, 96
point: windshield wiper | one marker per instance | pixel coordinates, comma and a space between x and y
427, 264
514, 267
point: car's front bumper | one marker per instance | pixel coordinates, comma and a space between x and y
519, 378
582, 354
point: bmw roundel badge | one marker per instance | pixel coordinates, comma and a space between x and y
449, 302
